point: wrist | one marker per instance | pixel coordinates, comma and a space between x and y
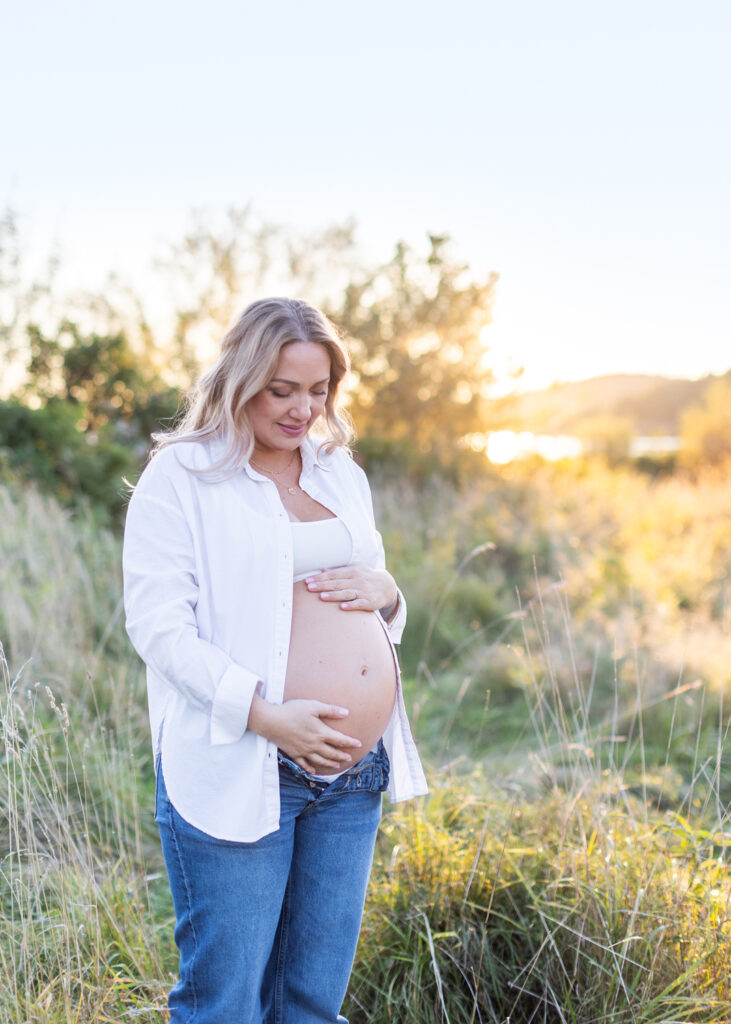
263, 717
392, 591
389, 612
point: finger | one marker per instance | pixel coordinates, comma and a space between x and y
323, 582
352, 596
332, 763
343, 572
323, 710
340, 741
326, 761
334, 590
347, 581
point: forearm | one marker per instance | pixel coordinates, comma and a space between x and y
263, 718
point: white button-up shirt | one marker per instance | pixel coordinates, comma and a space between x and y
208, 598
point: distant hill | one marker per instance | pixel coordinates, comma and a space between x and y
653, 404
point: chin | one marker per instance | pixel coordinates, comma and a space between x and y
280, 442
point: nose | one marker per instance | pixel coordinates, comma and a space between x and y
302, 407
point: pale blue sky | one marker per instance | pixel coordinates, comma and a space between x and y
582, 150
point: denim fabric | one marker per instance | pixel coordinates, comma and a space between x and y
372, 772
267, 930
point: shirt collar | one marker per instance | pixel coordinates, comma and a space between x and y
310, 460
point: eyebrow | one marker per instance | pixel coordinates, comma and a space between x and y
296, 383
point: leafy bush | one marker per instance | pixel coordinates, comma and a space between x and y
46, 446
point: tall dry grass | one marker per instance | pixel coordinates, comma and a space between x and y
571, 864
563, 886
79, 943
632, 624
79, 866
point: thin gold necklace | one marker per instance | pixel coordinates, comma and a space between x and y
292, 489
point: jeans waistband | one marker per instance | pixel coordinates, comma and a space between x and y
370, 773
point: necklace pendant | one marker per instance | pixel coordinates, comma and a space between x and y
292, 490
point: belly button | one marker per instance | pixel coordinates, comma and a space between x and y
364, 670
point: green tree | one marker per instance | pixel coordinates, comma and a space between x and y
219, 266
83, 418
100, 375
415, 325
45, 445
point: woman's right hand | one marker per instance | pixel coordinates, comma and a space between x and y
299, 730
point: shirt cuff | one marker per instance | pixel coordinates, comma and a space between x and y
231, 705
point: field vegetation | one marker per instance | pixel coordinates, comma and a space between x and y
565, 664
565, 660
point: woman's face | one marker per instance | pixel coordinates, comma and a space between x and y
283, 412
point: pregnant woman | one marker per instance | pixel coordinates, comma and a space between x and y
256, 593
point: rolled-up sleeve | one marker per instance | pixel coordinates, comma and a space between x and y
160, 598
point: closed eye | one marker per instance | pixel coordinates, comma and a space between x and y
279, 394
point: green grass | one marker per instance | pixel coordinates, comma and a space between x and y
572, 860
571, 907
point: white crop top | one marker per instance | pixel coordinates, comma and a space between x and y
322, 544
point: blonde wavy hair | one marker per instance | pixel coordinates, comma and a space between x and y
217, 405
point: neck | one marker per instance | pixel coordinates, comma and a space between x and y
274, 462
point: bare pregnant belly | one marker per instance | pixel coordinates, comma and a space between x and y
342, 658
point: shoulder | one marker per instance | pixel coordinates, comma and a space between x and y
180, 457
341, 462
175, 466
347, 474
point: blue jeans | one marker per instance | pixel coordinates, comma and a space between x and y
267, 931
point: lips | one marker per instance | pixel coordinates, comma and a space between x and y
292, 429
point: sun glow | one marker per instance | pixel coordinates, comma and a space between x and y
504, 446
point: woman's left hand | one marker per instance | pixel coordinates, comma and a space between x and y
356, 587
